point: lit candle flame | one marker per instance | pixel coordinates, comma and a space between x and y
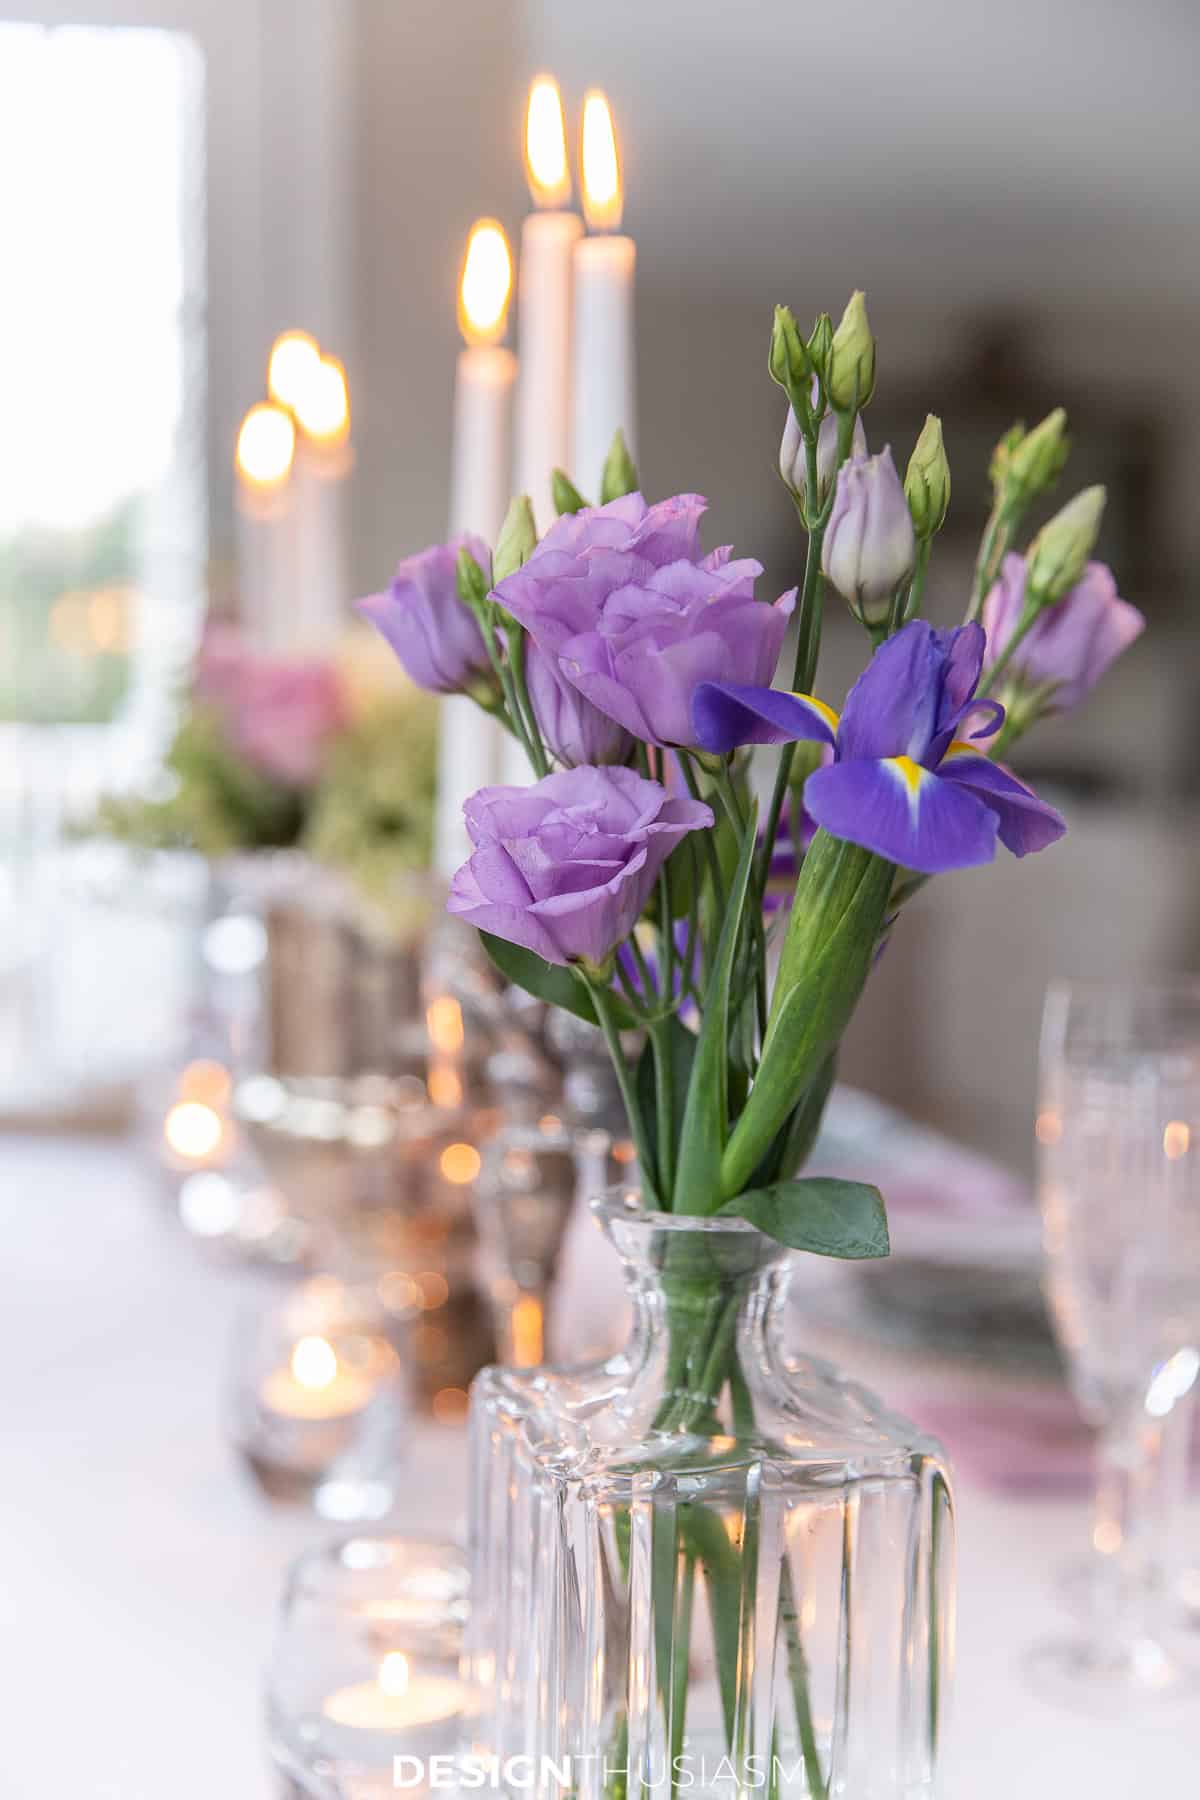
486, 284
314, 1363
393, 1674
322, 406
193, 1130
546, 167
294, 357
266, 446
444, 1020
602, 196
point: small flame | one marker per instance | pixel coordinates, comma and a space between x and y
193, 1130
293, 359
314, 1363
602, 196
393, 1674
266, 446
322, 406
546, 168
444, 1020
486, 284
459, 1163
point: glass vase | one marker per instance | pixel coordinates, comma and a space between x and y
710, 1563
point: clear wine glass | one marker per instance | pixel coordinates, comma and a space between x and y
1118, 1132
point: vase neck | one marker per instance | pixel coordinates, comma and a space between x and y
705, 1294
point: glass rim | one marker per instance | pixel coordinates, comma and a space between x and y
624, 1204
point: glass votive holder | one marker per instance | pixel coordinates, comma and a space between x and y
364, 1668
320, 1400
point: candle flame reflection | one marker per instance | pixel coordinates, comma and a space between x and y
486, 284
602, 196
546, 168
193, 1130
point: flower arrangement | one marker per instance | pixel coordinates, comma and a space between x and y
275, 753
636, 882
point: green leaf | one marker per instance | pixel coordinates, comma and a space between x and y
841, 899
550, 982
702, 1139
565, 495
818, 1213
620, 475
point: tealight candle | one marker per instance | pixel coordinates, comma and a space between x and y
397, 1701
315, 1385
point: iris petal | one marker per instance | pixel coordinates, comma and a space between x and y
904, 812
726, 714
1025, 823
892, 708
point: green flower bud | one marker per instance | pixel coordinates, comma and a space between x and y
1002, 457
566, 496
620, 475
789, 361
819, 344
851, 368
471, 580
517, 540
1059, 553
927, 480
1036, 462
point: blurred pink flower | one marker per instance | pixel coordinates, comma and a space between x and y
279, 713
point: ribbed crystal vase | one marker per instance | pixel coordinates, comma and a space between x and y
710, 1564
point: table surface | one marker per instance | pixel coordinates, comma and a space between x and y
141, 1568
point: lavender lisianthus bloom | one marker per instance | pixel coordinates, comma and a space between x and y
572, 729
421, 616
565, 867
619, 595
870, 546
1070, 645
901, 783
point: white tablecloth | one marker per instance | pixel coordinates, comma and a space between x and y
139, 1568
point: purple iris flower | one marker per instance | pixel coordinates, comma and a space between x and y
901, 784
565, 867
636, 618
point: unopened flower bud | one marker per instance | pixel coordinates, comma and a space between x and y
517, 540
819, 344
789, 362
927, 480
620, 475
850, 381
1035, 463
793, 459
1002, 455
470, 578
1060, 551
566, 496
870, 546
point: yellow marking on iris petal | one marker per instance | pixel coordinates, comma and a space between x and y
831, 718
961, 748
912, 772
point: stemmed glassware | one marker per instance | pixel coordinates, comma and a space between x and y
1118, 1132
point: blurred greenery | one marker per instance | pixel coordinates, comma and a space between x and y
67, 599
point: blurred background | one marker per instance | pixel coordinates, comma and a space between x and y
186, 178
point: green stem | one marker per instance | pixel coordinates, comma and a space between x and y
664, 1089
916, 589
602, 1002
808, 644
1024, 626
798, 1680
532, 737
714, 863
